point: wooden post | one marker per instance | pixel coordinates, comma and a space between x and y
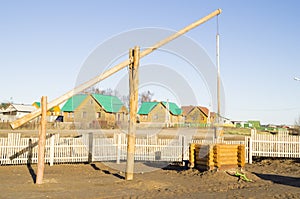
118, 148
134, 54
52, 139
183, 138
91, 151
42, 142
250, 150
192, 158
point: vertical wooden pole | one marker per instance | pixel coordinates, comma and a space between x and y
134, 55
91, 151
42, 142
250, 150
118, 148
52, 140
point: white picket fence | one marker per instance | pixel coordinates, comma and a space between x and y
87, 148
148, 148
277, 145
17, 150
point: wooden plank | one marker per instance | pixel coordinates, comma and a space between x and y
17, 123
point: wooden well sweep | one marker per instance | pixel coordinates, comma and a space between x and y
217, 156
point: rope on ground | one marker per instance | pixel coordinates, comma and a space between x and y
241, 176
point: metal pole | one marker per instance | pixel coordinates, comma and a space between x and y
218, 78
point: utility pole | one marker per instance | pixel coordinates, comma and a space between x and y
218, 129
218, 76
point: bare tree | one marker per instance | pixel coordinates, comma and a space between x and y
146, 96
297, 122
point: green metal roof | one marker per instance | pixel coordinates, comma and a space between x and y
174, 109
39, 105
73, 103
146, 107
110, 104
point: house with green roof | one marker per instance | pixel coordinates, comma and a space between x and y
95, 110
110, 110
71, 106
164, 113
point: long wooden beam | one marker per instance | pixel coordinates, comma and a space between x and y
19, 122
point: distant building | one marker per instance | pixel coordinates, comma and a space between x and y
195, 115
15, 111
160, 113
247, 124
52, 114
254, 123
94, 110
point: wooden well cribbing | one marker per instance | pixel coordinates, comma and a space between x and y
216, 156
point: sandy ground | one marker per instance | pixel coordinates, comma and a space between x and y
270, 179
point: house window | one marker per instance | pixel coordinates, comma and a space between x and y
83, 114
70, 115
98, 115
91, 101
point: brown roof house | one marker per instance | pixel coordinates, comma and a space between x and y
160, 114
196, 115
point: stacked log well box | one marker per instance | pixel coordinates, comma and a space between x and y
217, 156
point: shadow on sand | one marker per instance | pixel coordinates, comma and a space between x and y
29, 161
107, 172
280, 179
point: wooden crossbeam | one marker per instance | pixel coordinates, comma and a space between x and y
19, 122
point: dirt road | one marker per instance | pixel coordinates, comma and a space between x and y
270, 179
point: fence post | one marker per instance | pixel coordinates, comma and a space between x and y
52, 138
118, 148
250, 151
90, 157
183, 140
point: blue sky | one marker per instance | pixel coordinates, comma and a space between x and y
44, 44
